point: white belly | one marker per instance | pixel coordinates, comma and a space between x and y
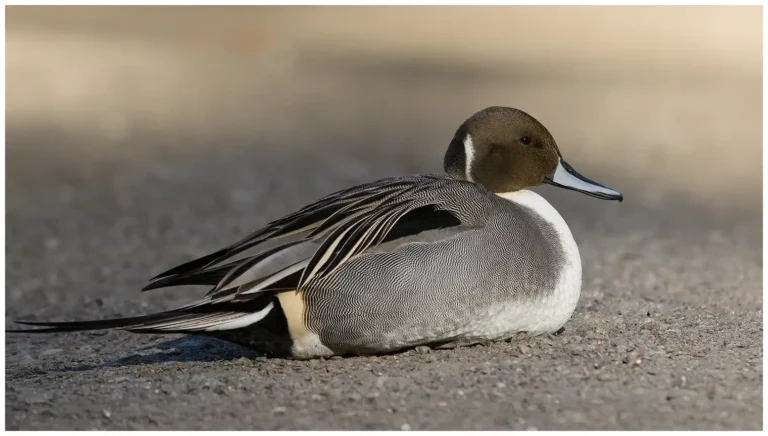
550, 313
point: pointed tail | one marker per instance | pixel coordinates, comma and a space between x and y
190, 320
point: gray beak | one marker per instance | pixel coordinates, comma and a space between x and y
566, 177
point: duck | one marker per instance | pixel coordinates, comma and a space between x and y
438, 260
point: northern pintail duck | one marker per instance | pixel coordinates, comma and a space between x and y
437, 260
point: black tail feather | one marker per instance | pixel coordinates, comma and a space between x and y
115, 323
190, 319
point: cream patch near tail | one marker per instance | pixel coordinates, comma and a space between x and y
306, 344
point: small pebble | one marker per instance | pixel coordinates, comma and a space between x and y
106, 413
279, 410
405, 427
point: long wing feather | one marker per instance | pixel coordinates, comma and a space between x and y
330, 232
340, 206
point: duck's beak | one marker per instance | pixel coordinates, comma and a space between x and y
566, 177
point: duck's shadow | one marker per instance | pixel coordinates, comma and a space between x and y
184, 349
193, 349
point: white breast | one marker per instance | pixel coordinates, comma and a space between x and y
548, 314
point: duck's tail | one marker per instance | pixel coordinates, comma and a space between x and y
197, 319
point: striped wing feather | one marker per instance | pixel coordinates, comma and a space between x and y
344, 224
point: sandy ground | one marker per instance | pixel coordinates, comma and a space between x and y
134, 144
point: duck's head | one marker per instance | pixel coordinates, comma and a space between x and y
505, 150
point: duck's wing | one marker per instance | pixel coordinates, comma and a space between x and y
302, 247
334, 208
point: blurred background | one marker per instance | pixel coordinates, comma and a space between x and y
663, 100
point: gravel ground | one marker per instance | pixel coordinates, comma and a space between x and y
154, 157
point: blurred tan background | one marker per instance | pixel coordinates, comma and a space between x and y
665, 99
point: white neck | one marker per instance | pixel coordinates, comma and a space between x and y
561, 305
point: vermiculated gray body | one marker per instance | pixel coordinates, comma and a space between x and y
425, 292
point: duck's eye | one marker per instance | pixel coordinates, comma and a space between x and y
525, 140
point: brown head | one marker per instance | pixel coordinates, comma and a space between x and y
505, 150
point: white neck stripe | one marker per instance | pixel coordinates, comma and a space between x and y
469, 156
